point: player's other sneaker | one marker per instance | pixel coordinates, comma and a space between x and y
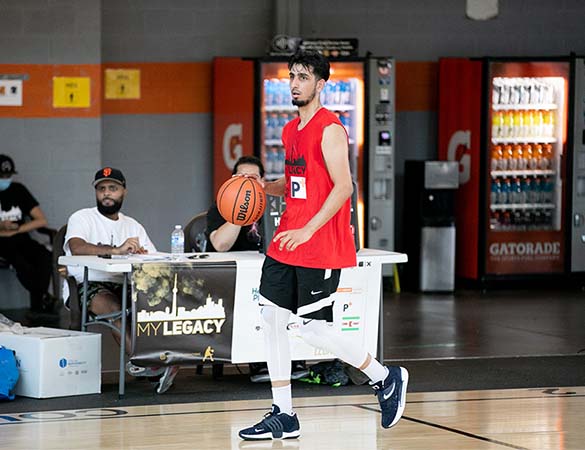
166, 381
391, 394
275, 425
138, 371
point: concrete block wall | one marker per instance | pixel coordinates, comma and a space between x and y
166, 153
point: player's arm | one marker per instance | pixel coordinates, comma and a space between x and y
335, 154
275, 188
79, 246
224, 237
38, 220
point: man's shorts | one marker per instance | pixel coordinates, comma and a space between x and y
302, 290
98, 287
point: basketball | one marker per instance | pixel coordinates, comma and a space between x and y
241, 200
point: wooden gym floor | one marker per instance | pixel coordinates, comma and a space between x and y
491, 419
492, 370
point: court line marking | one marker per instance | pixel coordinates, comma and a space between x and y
452, 430
119, 413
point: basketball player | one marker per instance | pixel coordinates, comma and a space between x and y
311, 245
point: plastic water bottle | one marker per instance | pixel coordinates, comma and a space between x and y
177, 242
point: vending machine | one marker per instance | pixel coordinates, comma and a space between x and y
516, 127
252, 103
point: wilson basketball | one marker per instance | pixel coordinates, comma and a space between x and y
241, 200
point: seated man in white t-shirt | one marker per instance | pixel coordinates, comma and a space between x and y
104, 230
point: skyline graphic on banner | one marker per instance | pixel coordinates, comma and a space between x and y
210, 310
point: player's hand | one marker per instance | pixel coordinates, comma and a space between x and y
291, 239
258, 178
8, 233
130, 245
8, 225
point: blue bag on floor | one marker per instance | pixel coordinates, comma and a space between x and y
8, 373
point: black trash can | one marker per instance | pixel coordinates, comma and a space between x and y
429, 221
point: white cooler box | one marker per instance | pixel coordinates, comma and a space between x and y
56, 363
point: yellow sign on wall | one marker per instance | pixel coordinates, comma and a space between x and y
71, 92
122, 83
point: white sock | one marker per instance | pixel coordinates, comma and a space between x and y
282, 397
375, 371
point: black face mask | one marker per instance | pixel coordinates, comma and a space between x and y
109, 210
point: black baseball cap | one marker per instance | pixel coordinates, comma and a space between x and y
111, 174
6, 165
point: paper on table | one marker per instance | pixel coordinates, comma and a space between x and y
156, 256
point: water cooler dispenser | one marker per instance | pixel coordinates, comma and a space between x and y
429, 224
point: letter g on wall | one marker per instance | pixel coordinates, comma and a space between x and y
461, 139
232, 144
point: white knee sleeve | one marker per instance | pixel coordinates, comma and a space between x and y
276, 343
320, 334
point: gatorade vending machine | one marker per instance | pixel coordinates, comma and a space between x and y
252, 103
516, 127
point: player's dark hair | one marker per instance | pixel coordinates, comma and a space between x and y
311, 60
248, 159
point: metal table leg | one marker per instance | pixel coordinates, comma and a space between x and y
122, 375
84, 300
381, 322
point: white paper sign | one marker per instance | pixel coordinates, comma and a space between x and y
10, 92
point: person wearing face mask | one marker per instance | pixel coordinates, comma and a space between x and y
104, 230
20, 213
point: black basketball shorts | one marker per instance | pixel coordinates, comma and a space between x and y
302, 290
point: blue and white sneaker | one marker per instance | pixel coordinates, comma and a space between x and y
275, 425
391, 394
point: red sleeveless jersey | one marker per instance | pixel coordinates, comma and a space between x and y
307, 186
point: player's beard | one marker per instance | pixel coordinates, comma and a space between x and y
298, 102
111, 209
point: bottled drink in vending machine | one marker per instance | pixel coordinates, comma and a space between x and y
345, 93
518, 123
513, 162
526, 123
507, 157
504, 197
496, 89
506, 220
537, 155
515, 192
525, 190
268, 160
518, 157
538, 123
548, 124
494, 220
497, 155
508, 124
517, 219
547, 187
282, 121
548, 156
495, 192
535, 194
505, 92
345, 119
280, 158
268, 92
528, 156
522, 158
498, 124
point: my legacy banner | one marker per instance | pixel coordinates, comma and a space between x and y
182, 312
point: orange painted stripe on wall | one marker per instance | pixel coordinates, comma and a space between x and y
166, 88
175, 88
416, 86
37, 98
